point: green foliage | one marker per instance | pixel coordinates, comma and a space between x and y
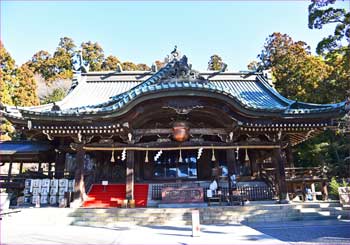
215, 63
7, 76
322, 13
334, 185
159, 64
43, 63
56, 95
93, 54
129, 66
143, 67
110, 63
253, 66
297, 74
329, 150
62, 58
6, 130
25, 94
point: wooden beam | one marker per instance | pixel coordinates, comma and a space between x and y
173, 148
203, 131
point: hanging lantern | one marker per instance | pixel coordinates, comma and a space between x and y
112, 158
246, 155
146, 157
237, 155
180, 131
180, 157
213, 155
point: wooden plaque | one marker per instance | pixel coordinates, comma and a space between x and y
182, 195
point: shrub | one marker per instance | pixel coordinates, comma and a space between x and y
334, 185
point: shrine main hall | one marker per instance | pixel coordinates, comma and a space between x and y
143, 131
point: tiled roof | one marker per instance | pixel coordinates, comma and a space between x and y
21, 147
99, 92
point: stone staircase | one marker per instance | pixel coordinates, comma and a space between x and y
252, 213
210, 215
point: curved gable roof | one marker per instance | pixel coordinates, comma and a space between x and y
105, 92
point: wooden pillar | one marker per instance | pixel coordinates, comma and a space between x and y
79, 185
59, 165
231, 167
21, 168
289, 156
49, 172
9, 174
313, 190
39, 167
130, 159
254, 169
279, 162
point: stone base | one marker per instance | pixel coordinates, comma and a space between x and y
183, 205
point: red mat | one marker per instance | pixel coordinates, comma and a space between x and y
112, 195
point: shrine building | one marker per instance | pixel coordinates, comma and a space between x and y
171, 128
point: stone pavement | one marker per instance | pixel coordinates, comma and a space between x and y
12, 233
308, 232
15, 231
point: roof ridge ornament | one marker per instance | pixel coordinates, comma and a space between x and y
179, 69
175, 53
79, 65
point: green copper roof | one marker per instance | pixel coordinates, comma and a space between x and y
99, 92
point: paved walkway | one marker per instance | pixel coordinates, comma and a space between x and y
304, 232
13, 231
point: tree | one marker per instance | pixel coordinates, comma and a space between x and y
57, 95
129, 66
42, 63
110, 63
159, 64
321, 14
297, 74
93, 54
62, 58
215, 63
143, 67
253, 65
334, 48
7, 76
25, 93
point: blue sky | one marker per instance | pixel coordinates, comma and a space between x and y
143, 32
